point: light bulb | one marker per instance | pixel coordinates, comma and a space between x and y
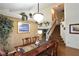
39, 31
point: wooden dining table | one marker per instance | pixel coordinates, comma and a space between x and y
50, 45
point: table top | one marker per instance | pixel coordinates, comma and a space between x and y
39, 49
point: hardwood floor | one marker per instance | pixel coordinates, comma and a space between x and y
62, 49
67, 51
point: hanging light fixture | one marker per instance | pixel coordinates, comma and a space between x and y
38, 16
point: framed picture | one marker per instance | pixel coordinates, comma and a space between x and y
74, 28
23, 27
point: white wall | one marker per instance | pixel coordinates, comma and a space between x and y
71, 17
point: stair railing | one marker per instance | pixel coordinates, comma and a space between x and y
49, 32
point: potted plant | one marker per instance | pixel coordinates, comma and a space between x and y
46, 23
5, 28
24, 16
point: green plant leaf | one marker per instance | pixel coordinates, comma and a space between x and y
5, 28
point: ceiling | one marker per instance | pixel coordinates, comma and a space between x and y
15, 6
12, 7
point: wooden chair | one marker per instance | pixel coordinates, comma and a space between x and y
30, 40
26, 40
33, 39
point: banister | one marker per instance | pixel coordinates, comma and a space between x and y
52, 26
49, 32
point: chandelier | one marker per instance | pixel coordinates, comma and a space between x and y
38, 16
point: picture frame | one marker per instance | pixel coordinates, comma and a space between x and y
74, 28
23, 27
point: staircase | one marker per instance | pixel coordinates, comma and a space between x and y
56, 36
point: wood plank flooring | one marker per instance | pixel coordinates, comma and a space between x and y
62, 49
